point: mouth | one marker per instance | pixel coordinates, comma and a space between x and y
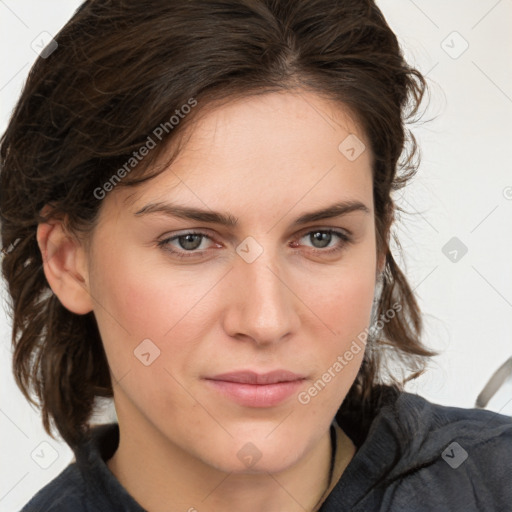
252, 389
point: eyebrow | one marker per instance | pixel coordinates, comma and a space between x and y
228, 220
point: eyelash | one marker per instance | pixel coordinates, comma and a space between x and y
345, 239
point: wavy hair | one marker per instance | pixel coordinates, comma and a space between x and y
121, 69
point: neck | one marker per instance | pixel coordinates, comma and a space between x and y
177, 483
162, 477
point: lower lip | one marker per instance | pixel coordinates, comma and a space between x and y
257, 395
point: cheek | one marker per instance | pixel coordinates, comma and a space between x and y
343, 301
351, 303
343, 296
337, 358
139, 301
143, 299
346, 311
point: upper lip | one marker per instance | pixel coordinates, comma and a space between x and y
251, 377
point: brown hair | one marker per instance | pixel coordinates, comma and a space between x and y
121, 69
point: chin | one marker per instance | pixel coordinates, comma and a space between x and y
262, 464
255, 454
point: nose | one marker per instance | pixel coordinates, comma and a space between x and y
262, 305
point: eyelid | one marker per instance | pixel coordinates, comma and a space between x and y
174, 236
313, 229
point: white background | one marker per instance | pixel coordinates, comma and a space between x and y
463, 190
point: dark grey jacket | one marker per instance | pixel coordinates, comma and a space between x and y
417, 456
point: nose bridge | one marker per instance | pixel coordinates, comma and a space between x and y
263, 306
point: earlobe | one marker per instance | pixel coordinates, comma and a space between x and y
64, 264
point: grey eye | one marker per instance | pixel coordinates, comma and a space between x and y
190, 242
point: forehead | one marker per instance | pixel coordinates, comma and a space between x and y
265, 151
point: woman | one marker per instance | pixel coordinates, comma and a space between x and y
196, 212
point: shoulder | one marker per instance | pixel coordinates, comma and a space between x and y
87, 485
457, 459
64, 492
423, 456
419, 420
451, 435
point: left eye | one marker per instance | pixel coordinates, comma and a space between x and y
190, 241
324, 237
189, 244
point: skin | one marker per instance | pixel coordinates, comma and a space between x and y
265, 160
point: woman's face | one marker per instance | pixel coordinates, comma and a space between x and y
192, 324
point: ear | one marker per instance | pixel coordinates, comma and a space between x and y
382, 255
381, 263
65, 266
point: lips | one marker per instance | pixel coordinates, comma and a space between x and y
249, 377
252, 389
